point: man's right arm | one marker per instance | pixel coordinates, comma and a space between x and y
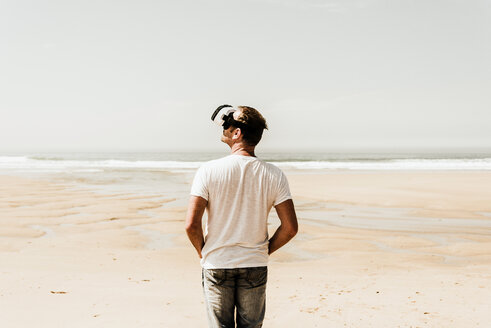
288, 228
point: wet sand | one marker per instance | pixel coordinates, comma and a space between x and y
375, 249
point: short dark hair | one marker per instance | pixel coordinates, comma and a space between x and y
254, 125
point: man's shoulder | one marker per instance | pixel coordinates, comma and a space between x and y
215, 163
272, 168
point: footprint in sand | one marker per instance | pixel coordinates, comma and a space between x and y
310, 310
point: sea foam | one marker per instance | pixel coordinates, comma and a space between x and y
49, 164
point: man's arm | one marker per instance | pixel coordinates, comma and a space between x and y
288, 228
194, 229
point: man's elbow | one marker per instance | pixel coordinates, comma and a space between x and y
191, 228
292, 230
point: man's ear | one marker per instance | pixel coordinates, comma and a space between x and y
237, 134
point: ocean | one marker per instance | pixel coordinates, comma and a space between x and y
189, 161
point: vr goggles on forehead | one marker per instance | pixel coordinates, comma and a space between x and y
224, 117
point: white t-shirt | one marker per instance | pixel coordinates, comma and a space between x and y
240, 191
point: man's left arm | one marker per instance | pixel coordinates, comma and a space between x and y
197, 206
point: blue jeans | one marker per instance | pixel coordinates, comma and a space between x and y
241, 289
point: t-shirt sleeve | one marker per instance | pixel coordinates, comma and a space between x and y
283, 192
200, 184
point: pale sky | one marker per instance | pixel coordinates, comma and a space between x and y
326, 74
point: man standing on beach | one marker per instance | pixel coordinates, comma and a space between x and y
238, 191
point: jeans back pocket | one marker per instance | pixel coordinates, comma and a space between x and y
257, 276
215, 276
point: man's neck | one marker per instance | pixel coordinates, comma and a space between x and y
240, 149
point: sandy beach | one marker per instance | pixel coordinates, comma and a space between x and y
374, 249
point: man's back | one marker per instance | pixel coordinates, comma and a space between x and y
240, 191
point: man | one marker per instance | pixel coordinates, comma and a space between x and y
238, 192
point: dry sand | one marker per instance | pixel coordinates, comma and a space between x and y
375, 249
